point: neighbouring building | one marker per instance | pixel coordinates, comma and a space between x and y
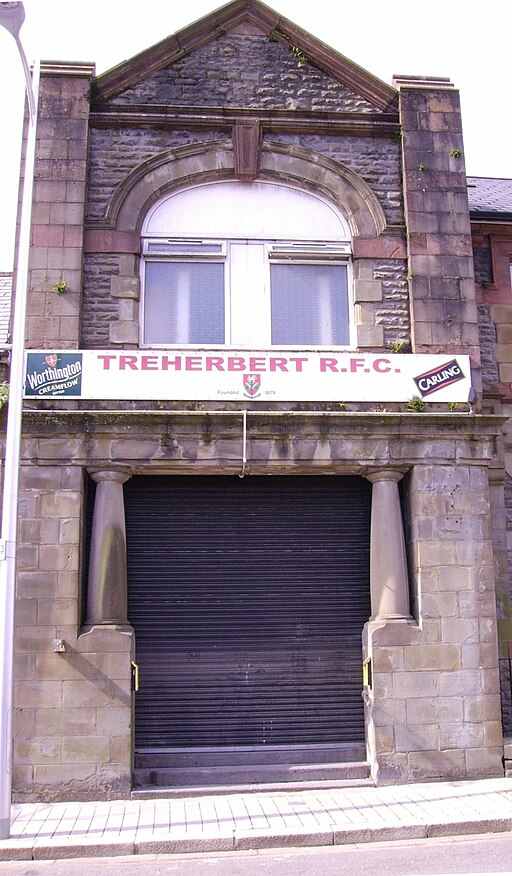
490, 205
5, 305
265, 460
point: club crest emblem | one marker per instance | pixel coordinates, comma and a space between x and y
51, 360
252, 385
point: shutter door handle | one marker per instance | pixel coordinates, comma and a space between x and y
135, 676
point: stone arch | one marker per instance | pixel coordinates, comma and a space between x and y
312, 171
201, 163
214, 161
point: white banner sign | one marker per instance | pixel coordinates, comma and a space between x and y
240, 375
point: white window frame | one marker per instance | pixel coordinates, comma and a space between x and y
333, 250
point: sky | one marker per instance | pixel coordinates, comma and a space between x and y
437, 38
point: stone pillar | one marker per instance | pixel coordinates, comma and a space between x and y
107, 593
443, 303
56, 255
389, 588
431, 695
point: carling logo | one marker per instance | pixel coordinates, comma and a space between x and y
438, 378
50, 375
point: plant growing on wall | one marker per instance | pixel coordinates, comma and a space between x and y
299, 55
415, 405
4, 393
60, 287
398, 346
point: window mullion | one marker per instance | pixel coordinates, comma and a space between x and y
249, 326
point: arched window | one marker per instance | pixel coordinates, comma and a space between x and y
246, 265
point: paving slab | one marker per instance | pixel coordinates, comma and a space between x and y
256, 820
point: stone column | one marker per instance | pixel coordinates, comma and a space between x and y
442, 289
107, 592
60, 189
389, 588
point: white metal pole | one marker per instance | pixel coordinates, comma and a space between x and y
12, 449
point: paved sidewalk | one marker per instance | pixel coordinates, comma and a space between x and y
257, 820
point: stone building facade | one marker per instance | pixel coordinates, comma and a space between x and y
244, 102
490, 202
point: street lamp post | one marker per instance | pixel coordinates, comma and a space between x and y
12, 16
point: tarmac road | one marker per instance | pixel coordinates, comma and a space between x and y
490, 853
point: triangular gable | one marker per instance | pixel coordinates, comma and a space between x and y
233, 17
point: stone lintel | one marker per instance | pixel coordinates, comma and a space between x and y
103, 240
383, 247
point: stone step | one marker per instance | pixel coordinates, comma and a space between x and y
156, 792
215, 777
247, 755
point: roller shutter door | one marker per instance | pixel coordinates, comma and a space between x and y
248, 599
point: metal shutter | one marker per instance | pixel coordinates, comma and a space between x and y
248, 599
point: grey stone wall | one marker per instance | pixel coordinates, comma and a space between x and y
393, 311
374, 159
115, 152
99, 309
245, 71
482, 262
488, 341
